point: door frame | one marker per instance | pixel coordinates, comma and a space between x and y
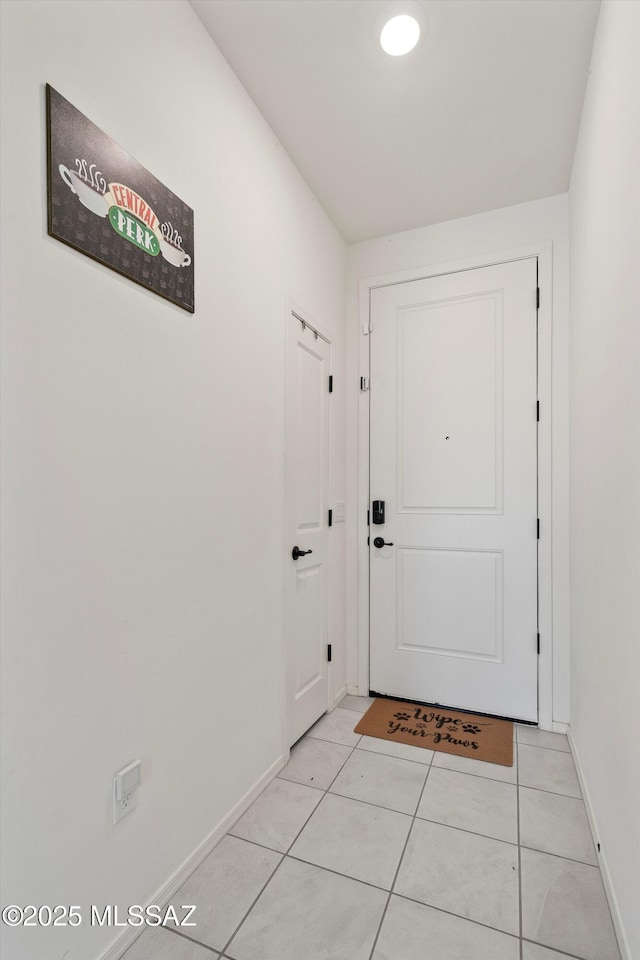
544, 252
294, 310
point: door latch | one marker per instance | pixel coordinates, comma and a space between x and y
295, 553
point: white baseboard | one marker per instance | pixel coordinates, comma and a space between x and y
340, 695
557, 727
163, 894
618, 926
353, 691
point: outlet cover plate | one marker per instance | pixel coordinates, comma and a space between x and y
122, 808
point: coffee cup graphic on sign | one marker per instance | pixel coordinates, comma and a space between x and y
89, 185
171, 246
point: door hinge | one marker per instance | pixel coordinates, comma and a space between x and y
368, 541
538, 411
537, 298
330, 520
538, 644
364, 384
329, 653
538, 533
331, 384
368, 519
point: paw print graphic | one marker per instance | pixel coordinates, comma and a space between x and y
452, 728
470, 728
401, 716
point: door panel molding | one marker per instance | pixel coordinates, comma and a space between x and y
446, 607
412, 373
544, 252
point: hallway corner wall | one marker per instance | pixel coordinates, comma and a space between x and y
604, 206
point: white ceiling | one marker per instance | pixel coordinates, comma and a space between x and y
484, 113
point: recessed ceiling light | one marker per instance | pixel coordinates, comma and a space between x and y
399, 35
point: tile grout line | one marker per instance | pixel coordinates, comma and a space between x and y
560, 856
336, 873
554, 793
317, 807
380, 753
378, 806
401, 858
299, 782
561, 953
473, 833
342, 765
302, 783
338, 743
442, 754
252, 905
305, 783
458, 916
184, 936
517, 759
539, 746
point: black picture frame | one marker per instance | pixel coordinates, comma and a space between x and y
105, 204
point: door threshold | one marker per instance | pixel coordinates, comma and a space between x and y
447, 706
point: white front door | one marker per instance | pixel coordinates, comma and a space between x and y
454, 457
308, 542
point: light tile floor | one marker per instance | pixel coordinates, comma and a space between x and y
367, 850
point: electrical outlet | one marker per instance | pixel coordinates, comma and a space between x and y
123, 807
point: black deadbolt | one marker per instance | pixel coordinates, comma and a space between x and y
377, 514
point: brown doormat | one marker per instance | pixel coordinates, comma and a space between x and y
436, 728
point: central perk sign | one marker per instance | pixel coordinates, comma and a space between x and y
99, 196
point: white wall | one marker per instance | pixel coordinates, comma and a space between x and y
604, 202
143, 486
476, 237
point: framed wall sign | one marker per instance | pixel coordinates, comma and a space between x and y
105, 204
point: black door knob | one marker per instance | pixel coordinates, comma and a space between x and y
380, 542
295, 553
